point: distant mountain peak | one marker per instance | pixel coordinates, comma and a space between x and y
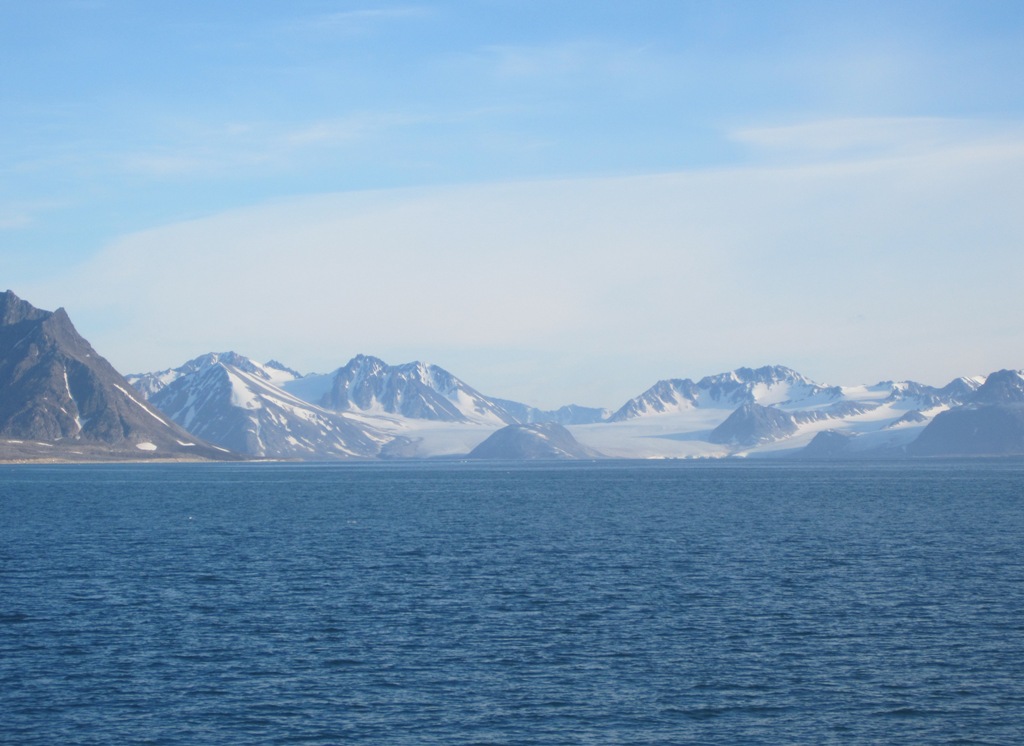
238, 403
14, 310
1001, 387
752, 424
150, 384
769, 384
275, 365
415, 390
547, 440
764, 374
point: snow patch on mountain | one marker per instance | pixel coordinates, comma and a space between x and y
414, 390
274, 372
238, 404
368, 408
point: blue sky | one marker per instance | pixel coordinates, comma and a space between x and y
558, 201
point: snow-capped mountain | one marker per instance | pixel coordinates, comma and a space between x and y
237, 403
768, 385
1001, 387
56, 392
151, 383
368, 408
770, 410
365, 408
416, 390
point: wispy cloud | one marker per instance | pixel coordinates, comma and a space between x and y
865, 136
763, 263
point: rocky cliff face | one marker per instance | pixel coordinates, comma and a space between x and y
59, 392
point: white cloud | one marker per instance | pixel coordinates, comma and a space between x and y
903, 265
859, 137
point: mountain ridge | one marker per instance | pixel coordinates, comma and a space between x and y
771, 410
238, 403
57, 391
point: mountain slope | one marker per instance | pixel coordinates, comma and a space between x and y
770, 384
718, 415
414, 390
752, 424
532, 442
149, 384
58, 390
235, 402
990, 423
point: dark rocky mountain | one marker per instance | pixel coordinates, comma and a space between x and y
235, 402
973, 430
828, 444
1001, 387
752, 424
529, 442
838, 445
58, 392
991, 423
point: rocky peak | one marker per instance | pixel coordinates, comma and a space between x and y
751, 424
1001, 387
13, 310
57, 389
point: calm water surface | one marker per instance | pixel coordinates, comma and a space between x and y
489, 604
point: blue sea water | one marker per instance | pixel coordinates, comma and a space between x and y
601, 603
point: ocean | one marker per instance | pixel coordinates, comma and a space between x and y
453, 603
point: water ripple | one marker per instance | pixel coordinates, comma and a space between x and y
439, 604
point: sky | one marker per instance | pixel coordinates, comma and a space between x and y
558, 202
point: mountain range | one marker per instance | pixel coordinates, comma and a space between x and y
242, 405
59, 396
